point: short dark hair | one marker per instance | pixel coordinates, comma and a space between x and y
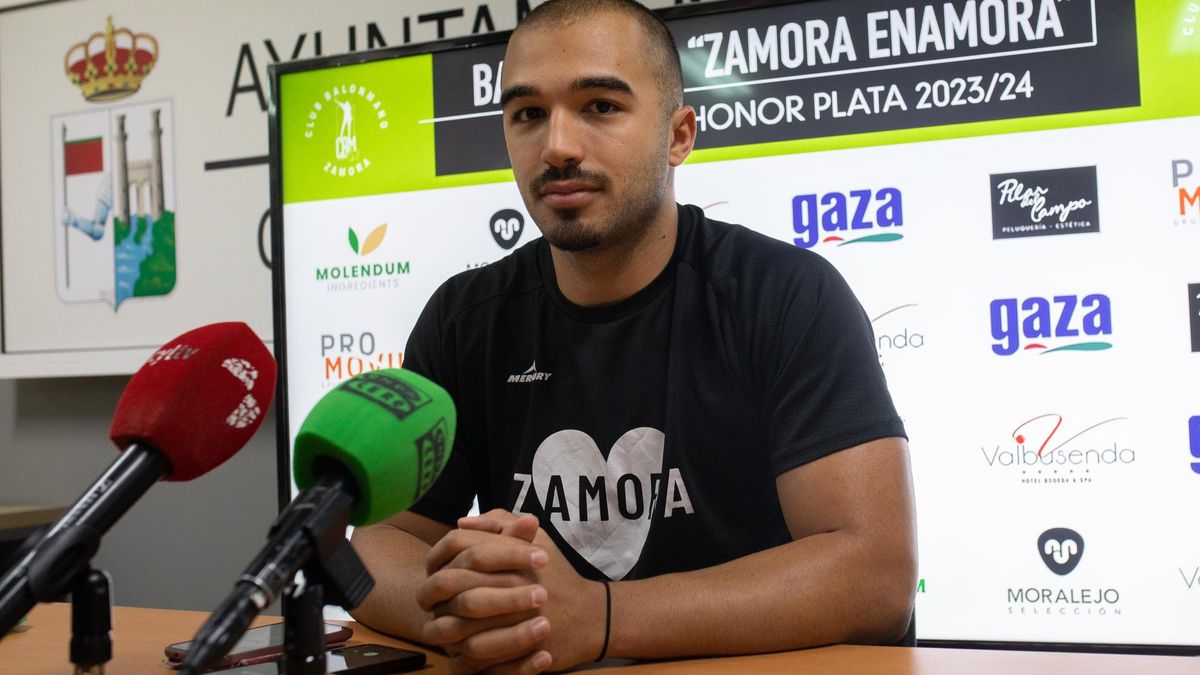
668, 72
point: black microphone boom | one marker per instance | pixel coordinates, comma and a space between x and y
46, 571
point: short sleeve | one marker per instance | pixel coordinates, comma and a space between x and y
429, 353
825, 390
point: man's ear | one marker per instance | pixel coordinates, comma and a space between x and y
683, 134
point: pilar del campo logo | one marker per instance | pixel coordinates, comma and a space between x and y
346, 120
113, 182
1194, 315
1041, 203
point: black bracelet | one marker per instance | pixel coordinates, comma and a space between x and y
607, 619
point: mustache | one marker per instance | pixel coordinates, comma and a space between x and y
570, 172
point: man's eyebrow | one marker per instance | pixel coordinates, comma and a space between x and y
602, 82
516, 91
581, 84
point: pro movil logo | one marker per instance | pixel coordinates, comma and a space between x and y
347, 120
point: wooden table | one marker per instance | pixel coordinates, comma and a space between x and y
139, 636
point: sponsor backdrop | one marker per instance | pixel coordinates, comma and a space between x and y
134, 191
1012, 187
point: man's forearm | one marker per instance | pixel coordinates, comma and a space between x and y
822, 589
848, 575
396, 559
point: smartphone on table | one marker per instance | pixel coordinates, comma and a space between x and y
366, 659
258, 645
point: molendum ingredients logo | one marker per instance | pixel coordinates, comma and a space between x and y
367, 272
346, 121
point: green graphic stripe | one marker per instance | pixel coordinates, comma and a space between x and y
1081, 347
874, 238
93, 139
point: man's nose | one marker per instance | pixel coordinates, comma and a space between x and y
563, 140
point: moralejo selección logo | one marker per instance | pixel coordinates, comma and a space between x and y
1061, 549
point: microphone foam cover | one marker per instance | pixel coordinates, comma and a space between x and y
199, 398
391, 429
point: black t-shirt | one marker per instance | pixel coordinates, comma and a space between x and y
647, 435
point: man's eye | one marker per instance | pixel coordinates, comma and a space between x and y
527, 114
604, 107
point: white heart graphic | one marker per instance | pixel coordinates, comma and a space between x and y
614, 545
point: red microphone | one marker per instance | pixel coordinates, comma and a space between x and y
191, 406
199, 399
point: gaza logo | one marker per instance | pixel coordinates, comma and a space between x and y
1058, 324
841, 218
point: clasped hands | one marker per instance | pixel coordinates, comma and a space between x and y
505, 600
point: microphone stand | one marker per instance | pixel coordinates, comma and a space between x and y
313, 530
304, 628
62, 567
335, 569
91, 622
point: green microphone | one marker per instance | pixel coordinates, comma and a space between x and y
392, 430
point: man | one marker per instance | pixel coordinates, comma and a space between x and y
695, 413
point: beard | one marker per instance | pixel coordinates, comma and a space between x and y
568, 230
